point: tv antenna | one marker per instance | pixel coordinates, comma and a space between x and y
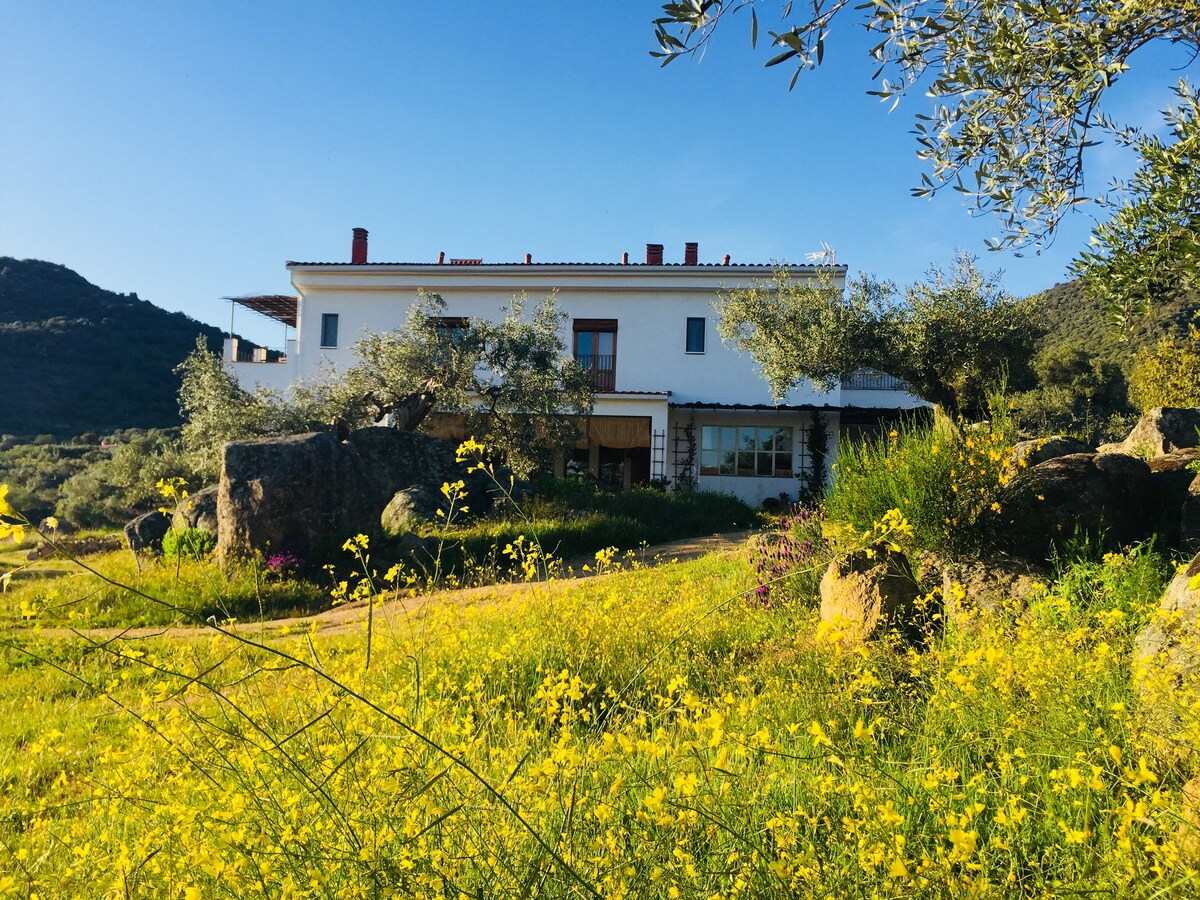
826, 255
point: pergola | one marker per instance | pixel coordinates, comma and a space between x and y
280, 307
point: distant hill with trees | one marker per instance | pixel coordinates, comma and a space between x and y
78, 358
1072, 316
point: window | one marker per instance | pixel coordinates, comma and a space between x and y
596, 350
451, 329
746, 450
329, 328
695, 335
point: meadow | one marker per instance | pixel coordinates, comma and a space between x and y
649, 733
660, 729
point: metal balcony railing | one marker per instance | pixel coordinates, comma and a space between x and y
603, 370
868, 380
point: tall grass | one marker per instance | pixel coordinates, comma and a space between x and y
642, 736
187, 590
944, 478
570, 519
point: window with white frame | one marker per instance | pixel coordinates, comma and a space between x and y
746, 450
695, 335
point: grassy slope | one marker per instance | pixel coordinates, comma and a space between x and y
79, 358
655, 733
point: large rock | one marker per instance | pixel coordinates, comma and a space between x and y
865, 596
411, 508
1166, 660
977, 589
1160, 430
58, 527
392, 460
1170, 480
1029, 453
304, 492
1104, 496
290, 492
198, 511
146, 532
1189, 524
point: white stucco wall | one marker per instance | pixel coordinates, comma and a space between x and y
650, 303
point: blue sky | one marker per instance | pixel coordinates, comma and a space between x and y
186, 151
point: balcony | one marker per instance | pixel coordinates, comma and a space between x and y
869, 380
603, 370
238, 351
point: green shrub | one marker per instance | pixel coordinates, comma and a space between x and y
1167, 374
112, 490
942, 478
188, 543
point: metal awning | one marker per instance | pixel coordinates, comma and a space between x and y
280, 307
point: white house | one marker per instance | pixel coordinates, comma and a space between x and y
673, 402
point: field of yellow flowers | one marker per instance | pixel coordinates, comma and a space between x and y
647, 734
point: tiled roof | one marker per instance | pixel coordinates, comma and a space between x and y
641, 393
457, 264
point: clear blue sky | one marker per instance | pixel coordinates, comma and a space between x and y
186, 151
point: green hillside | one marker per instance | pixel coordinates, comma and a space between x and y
79, 358
1072, 316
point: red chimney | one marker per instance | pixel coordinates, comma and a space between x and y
625, 258
691, 253
654, 253
358, 248
529, 259
441, 257
725, 261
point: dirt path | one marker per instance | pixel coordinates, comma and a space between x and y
346, 618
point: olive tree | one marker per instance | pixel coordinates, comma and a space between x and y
1016, 92
512, 380
951, 336
216, 409
1150, 246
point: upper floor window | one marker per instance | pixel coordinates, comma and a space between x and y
329, 329
596, 350
695, 335
746, 450
450, 328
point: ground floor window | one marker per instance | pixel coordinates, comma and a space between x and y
764, 452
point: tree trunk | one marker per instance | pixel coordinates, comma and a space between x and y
409, 412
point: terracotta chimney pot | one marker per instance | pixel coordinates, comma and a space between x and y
358, 247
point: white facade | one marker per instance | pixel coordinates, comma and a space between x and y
651, 376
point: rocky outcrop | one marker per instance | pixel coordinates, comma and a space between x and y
303, 492
198, 511
1105, 496
1170, 480
1030, 453
56, 526
1189, 524
146, 532
977, 589
1166, 659
1162, 429
864, 596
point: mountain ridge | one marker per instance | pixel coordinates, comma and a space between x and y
81, 358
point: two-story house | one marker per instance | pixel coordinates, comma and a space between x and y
672, 403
